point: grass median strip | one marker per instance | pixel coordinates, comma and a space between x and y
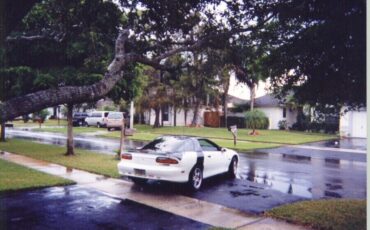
339, 214
15, 177
85, 160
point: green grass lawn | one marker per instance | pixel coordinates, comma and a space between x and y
86, 160
15, 177
145, 132
241, 145
20, 123
244, 145
324, 214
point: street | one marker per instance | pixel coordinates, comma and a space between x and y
268, 177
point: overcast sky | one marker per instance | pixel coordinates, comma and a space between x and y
241, 90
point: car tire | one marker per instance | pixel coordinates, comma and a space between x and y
195, 178
233, 167
138, 181
98, 125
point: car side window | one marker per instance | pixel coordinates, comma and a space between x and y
207, 145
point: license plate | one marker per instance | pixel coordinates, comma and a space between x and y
139, 172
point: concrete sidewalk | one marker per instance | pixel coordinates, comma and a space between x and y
198, 210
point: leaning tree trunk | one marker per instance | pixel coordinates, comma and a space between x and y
2, 138
70, 144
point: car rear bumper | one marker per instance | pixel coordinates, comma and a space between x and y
153, 172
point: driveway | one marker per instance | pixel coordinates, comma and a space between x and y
76, 207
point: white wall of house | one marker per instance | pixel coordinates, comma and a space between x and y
275, 114
180, 117
353, 123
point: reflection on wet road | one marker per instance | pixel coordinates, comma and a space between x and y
101, 145
305, 176
304, 173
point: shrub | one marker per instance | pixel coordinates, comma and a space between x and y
282, 124
256, 119
41, 115
302, 124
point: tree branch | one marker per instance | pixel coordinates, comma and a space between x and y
77, 94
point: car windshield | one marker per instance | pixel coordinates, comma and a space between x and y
165, 144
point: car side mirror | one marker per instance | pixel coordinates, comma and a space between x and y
223, 150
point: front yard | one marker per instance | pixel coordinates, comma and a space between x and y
85, 160
15, 177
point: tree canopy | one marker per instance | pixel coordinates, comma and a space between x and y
322, 58
313, 45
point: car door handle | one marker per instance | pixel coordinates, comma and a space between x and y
209, 156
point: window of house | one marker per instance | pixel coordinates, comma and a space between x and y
284, 112
165, 113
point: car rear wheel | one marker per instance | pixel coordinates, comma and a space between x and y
195, 178
233, 167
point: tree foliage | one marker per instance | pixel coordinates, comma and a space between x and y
312, 45
256, 119
321, 51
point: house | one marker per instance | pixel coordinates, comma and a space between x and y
167, 116
353, 123
275, 111
271, 106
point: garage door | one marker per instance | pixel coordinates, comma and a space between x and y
359, 124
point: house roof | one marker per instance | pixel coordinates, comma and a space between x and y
267, 100
236, 100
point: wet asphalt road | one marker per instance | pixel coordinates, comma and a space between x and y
74, 207
266, 178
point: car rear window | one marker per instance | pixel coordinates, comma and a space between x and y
169, 144
115, 115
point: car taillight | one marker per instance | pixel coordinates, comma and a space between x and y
166, 160
126, 156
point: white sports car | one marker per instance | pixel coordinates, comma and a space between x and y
178, 159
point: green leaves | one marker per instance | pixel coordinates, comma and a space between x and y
256, 119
